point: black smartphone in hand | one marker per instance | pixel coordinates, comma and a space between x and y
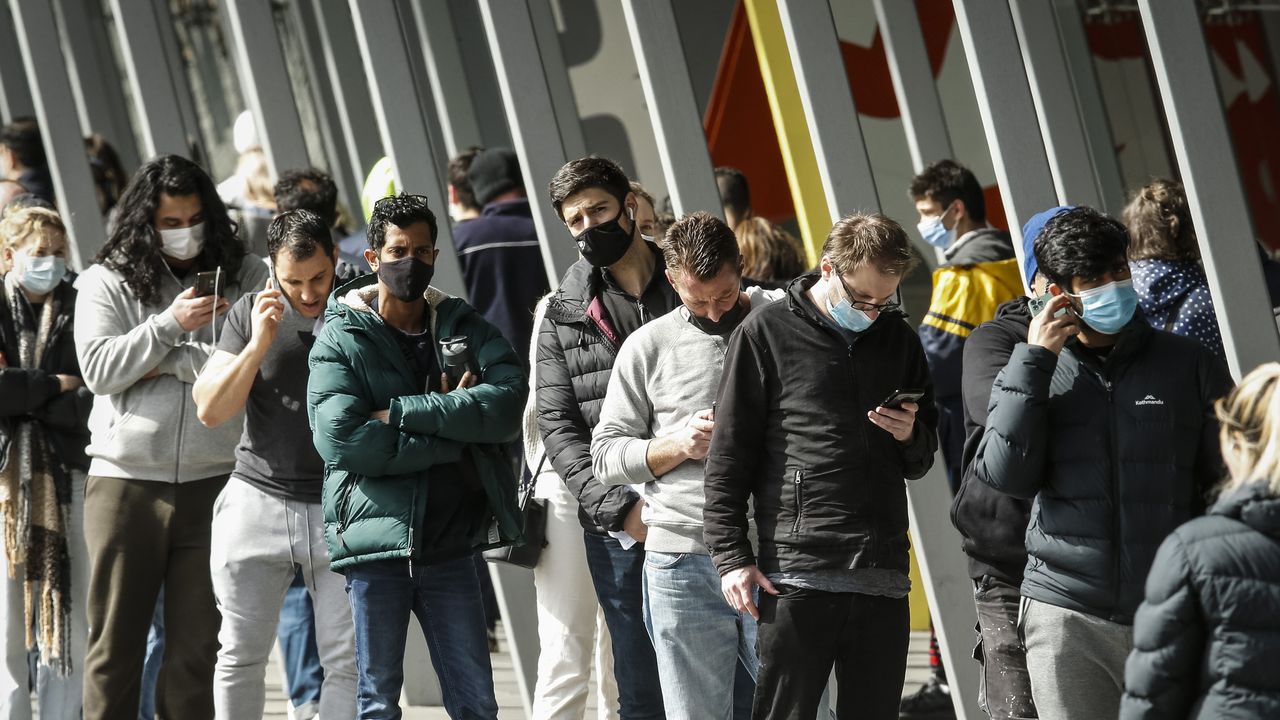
209, 283
898, 397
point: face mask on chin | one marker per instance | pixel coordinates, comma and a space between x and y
727, 323
604, 244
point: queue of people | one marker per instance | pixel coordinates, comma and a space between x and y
721, 440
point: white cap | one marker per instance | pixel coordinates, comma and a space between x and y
245, 134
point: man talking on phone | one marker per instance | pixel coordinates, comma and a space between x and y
804, 428
416, 476
1108, 425
267, 524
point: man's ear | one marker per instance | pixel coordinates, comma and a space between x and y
371, 257
962, 210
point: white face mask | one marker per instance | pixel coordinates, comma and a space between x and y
40, 275
182, 243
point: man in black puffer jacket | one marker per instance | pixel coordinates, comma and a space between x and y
618, 286
993, 524
801, 432
1107, 424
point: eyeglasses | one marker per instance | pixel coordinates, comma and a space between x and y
891, 306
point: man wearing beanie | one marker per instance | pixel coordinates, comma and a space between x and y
498, 251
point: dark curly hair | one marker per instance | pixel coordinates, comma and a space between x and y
402, 211
1160, 225
1081, 242
584, 173
300, 233
133, 250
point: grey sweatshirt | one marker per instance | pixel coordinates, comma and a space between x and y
666, 372
147, 429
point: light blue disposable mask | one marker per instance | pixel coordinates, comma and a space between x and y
1109, 308
849, 317
935, 233
40, 275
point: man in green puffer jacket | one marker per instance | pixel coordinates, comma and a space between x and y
416, 480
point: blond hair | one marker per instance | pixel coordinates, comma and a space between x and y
1250, 429
861, 238
1159, 223
20, 226
769, 252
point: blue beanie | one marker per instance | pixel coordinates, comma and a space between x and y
1030, 232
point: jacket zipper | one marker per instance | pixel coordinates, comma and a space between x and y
1115, 490
872, 539
799, 490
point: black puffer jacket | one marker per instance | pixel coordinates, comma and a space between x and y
1206, 643
577, 345
35, 393
993, 524
792, 435
1116, 457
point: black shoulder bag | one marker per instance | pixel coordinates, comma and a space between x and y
533, 517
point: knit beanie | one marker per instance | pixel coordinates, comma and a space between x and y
1030, 231
493, 172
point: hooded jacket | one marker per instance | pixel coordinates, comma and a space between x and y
577, 345
1115, 455
1174, 296
980, 273
792, 435
993, 525
146, 428
380, 480
1204, 640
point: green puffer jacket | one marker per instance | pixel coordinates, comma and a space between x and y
377, 483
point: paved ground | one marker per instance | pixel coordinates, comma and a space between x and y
509, 699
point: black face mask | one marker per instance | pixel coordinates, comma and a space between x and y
604, 244
406, 278
727, 323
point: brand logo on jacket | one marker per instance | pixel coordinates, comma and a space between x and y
1149, 400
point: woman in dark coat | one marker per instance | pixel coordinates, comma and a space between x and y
1206, 642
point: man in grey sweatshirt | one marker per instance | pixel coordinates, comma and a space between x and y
655, 427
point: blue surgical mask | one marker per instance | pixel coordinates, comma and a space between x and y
849, 317
40, 275
1109, 308
936, 233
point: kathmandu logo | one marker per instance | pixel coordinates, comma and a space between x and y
1149, 400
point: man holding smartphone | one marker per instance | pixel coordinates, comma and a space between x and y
800, 430
654, 430
417, 479
267, 524
1107, 424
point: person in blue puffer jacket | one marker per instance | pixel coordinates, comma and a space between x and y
1164, 258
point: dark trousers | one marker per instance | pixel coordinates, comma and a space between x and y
142, 534
1004, 691
803, 633
618, 576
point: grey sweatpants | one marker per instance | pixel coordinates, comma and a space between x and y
1076, 661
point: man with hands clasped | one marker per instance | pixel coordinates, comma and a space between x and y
802, 431
267, 523
654, 430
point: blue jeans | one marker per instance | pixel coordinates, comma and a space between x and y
698, 638
447, 600
302, 670
151, 665
618, 576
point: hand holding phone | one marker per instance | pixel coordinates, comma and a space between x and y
1053, 324
898, 397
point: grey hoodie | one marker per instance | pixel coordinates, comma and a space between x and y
667, 371
147, 429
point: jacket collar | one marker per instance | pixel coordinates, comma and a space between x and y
583, 283
1252, 504
978, 246
1131, 341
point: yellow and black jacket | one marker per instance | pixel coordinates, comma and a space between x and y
980, 274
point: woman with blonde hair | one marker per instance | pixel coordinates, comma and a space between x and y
771, 256
1165, 261
1206, 642
44, 413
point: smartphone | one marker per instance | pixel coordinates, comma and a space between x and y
209, 283
1038, 304
898, 397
